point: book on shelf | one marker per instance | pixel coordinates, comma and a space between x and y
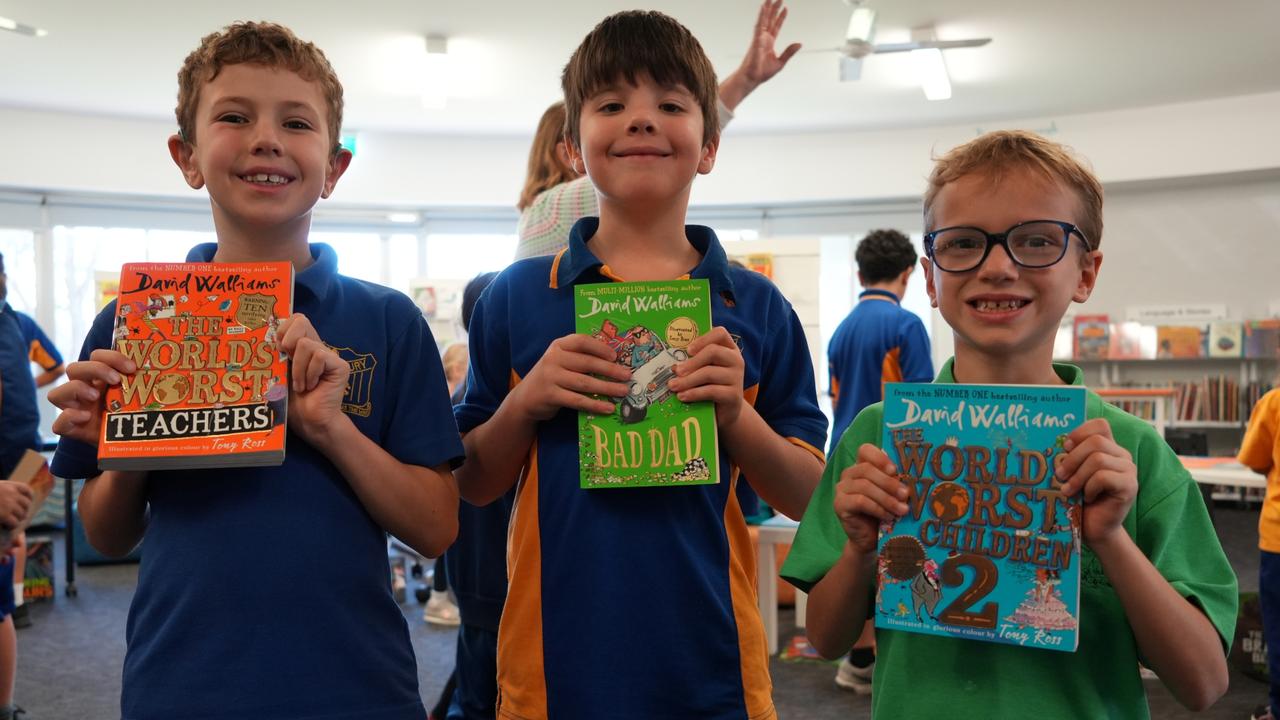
1180, 341
211, 388
652, 438
988, 549
1262, 339
1226, 339
1092, 335
1132, 341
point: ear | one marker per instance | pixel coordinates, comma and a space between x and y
708, 159
562, 154
573, 155
1090, 264
181, 152
338, 164
928, 281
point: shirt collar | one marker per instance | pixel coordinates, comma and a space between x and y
576, 259
1070, 374
317, 278
878, 293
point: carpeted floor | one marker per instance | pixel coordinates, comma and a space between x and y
69, 661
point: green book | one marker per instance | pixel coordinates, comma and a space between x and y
651, 438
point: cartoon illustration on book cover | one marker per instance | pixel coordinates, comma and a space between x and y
211, 386
989, 549
652, 438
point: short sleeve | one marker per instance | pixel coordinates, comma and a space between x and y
545, 224
43, 352
1258, 449
820, 538
419, 427
489, 374
917, 362
787, 399
74, 459
1175, 532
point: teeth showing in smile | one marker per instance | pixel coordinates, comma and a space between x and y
998, 305
265, 178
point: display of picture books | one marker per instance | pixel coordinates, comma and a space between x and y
1262, 339
1092, 335
1226, 339
1132, 341
988, 549
1180, 341
652, 437
211, 388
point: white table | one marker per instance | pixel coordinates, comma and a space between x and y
777, 529
1232, 474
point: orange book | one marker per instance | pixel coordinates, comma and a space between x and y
212, 387
32, 471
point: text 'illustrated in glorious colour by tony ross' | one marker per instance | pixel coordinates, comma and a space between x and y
211, 388
651, 437
989, 549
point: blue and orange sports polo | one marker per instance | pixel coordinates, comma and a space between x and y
878, 342
22, 342
265, 592
636, 602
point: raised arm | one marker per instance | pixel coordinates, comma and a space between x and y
762, 60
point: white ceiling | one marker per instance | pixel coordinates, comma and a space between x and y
1047, 58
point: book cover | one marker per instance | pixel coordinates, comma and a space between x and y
1092, 337
211, 388
1180, 341
1132, 341
989, 549
1262, 339
651, 438
1226, 339
32, 470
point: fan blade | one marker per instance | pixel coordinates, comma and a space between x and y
20, 28
929, 44
862, 25
850, 69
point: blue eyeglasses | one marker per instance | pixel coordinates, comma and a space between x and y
1030, 244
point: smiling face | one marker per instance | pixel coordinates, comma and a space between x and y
642, 142
262, 149
1004, 315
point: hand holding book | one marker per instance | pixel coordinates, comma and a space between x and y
572, 370
868, 493
714, 372
1093, 463
317, 378
81, 397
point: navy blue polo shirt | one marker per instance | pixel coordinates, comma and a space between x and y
878, 342
265, 592
19, 417
633, 602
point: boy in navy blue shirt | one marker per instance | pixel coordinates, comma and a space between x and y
581, 634
265, 592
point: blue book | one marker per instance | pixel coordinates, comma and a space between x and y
989, 548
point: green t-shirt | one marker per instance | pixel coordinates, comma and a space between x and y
920, 676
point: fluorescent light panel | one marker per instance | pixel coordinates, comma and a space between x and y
20, 28
861, 24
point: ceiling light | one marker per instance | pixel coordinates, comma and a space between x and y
403, 217
21, 29
861, 24
435, 73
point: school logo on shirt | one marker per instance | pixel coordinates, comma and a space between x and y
356, 400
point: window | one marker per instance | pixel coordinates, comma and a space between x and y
19, 250
456, 256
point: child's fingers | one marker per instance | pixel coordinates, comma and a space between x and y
1094, 464
713, 378
588, 364
113, 359
879, 499
561, 397
75, 394
716, 336
1087, 429
872, 455
1107, 482
70, 422
293, 330
100, 371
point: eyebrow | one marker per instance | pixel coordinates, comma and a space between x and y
287, 104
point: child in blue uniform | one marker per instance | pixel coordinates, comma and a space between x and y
265, 592
1013, 223
640, 602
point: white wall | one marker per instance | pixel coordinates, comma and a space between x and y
58, 151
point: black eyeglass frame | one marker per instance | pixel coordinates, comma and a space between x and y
1002, 239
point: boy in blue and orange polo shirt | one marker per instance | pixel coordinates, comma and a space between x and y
637, 602
265, 591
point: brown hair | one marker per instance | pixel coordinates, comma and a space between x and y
628, 43
546, 169
1002, 151
258, 43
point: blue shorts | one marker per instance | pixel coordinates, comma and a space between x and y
6, 587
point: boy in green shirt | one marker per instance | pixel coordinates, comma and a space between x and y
1155, 585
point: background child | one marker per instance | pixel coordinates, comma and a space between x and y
878, 342
1155, 583
265, 592
639, 602
1260, 450
556, 195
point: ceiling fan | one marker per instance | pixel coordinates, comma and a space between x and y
859, 43
21, 28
